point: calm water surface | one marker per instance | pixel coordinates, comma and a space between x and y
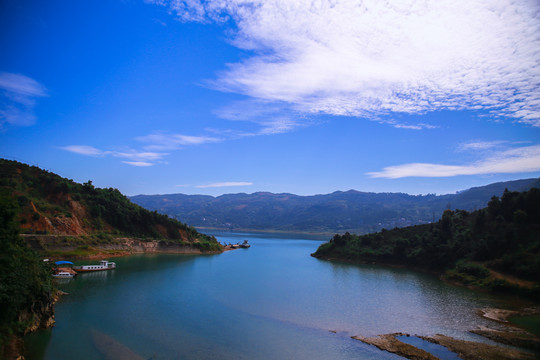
272, 301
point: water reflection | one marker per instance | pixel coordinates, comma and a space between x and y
96, 275
270, 301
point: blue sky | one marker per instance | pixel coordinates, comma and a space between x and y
306, 97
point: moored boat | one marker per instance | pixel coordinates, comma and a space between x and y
103, 265
63, 275
63, 272
245, 244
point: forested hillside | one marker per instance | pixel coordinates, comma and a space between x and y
37, 203
26, 289
468, 246
353, 211
50, 204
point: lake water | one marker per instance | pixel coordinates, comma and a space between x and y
272, 301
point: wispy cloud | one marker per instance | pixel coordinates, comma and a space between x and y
153, 152
84, 150
164, 141
136, 158
373, 58
268, 118
224, 184
18, 94
479, 145
138, 163
518, 160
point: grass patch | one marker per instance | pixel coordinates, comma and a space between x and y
468, 273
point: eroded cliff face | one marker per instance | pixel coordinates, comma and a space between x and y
77, 223
62, 224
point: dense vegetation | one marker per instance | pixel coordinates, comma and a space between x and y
25, 280
40, 202
49, 203
504, 237
352, 211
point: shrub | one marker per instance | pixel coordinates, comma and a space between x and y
476, 270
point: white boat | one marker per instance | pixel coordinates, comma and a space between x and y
63, 275
103, 265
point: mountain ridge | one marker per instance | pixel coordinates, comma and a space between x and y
339, 211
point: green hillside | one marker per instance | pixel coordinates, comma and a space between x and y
497, 247
50, 204
39, 203
26, 289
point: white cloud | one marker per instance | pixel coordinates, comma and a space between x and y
151, 153
21, 85
138, 163
480, 145
164, 141
137, 155
136, 158
373, 58
518, 160
224, 184
18, 94
84, 150
270, 118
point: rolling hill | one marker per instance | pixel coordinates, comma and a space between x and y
353, 211
48, 204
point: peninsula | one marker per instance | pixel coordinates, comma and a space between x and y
495, 248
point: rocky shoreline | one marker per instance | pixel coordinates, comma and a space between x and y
511, 335
40, 317
121, 246
528, 344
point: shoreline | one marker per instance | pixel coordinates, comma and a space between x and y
14, 349
524, 345
512, 335
320, 234
53, 247
527, 301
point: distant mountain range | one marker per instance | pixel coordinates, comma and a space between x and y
338, 212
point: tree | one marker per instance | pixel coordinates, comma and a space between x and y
24, 278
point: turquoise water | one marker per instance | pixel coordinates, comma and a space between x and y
272, 301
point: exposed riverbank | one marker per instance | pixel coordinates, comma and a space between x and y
509, 334
70, 247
